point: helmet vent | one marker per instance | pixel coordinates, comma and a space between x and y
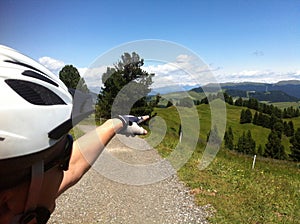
25, 65
36, 75
34, 93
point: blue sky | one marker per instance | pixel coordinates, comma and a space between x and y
257, 40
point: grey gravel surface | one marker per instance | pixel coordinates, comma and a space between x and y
104, 195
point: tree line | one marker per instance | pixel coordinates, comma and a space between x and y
267, 116
254, 104
271, 122
273, 148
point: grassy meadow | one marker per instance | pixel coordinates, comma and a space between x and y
269, 193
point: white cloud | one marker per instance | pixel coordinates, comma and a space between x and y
268, 76
247, 73
297, 73
186, 70
52, 64
93, 77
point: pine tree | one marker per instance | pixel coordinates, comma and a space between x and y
286, 129
250, 143
240, 144
253, 103
291, 129
255, 118
228, 138
246, 116
295, 147
126, 85
228, 99
239, 102
260, 150
274, 148
246, 143
242, 117
71, 78
278, 127
273, 120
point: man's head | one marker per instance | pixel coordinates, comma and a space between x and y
36, 115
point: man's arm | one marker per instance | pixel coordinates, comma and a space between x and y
86, 150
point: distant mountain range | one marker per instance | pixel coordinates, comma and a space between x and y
283, 91
270, 96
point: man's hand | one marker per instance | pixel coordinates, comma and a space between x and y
131, 125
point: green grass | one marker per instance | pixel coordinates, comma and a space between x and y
259, 134
269, 193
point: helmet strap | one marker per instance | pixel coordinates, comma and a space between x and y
37, 176
32, 213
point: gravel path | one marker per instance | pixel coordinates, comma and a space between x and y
125, 187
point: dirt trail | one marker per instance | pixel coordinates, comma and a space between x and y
129, 183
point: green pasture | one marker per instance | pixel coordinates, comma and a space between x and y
269, 193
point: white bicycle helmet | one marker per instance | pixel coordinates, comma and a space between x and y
37, 111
